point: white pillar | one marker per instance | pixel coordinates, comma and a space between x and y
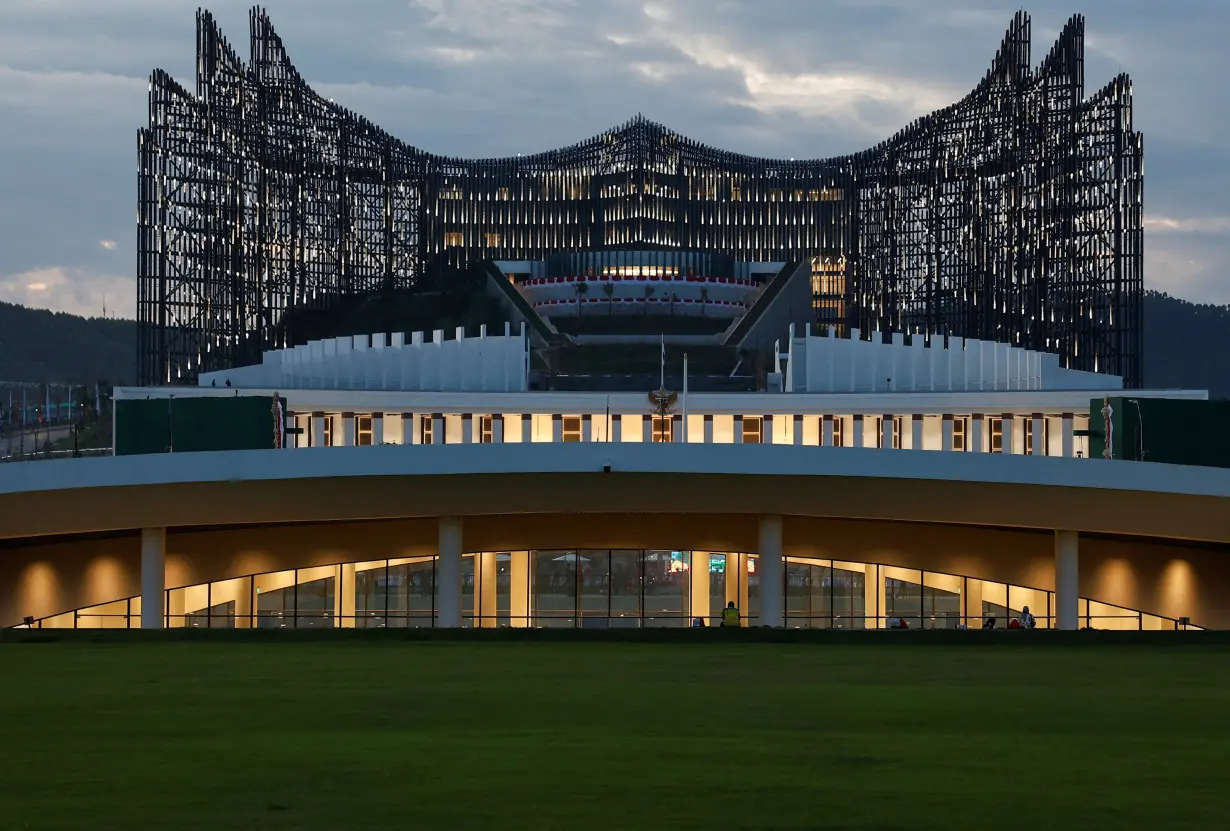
647, 429
771, 567
873, 597
348, 429
797, 438
377, 428
486, 590
497, 428
974, 440
448, 574
557, 428
946, 433
520, 605
617, 428
318, 429
1069, 449
415, 436
587, 428
438, 428
344, 596
1006, 424
708, 429
527, 428
153, 576
1067, 580
858, 432
826, 434
886, 431
467, 429
243, 603
1037, 423
698, 582
916, 432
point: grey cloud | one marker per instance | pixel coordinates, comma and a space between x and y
493, 77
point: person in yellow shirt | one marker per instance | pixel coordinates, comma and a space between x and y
730, 615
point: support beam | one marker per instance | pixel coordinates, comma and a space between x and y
1067, 580
520, 598
486, 590
874, 606
153, 576
344, 596
771, 568
448, 574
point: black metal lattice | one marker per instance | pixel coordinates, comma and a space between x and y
1013, 215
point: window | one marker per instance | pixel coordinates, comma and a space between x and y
997, 435
502, 194
896, 428
452, 192
753, 429
663, 428
1028, 426
363, 430
839, 433
328, 431
494, 240
454, 239
426, 428
959, 427
736, 193
572, 429
486, 429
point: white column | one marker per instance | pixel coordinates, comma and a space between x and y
467, 429
698, 582
738, 439
486, 590
587, 428
1037, 423
243, 603
677, 428
347, 429
415, 435
826, 431
647, 429
971, 603
497, 428
557, 428
520, 605
916, 432
709, 429
873, 597
153, 576
771, 567
1067, 580
858, 432
617, 428
377, 428
1006, 424
886, 431
975, 434
448, 574
946, 433
438, 434
318, 429
527, 428
1068, 439
798, 430
344, 596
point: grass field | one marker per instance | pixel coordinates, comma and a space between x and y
350, 734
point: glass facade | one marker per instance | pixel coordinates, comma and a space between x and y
602, 588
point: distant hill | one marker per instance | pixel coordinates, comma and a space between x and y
41, 346
1187, 346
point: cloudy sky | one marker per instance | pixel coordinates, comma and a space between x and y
799, 78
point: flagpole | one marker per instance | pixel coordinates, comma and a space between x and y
685, 397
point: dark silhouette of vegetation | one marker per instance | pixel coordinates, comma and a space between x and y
41, 346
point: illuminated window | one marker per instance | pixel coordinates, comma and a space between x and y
572, 429
494, 240
896, 440
502, 194
831, 195
775, 195
328, 420
959, 426
997, 435
753, 429
486, 429
451, 193
813, 196
454, 239
736, 193
839, 433
363, 430
663, 428
1028, 426
426, 429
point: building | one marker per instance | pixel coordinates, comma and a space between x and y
1012, 216
836, 393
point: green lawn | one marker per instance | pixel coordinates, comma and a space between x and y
352, 734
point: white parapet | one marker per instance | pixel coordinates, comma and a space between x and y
370, 362
846, 365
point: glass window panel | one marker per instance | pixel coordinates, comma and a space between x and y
313, 603
593, 573
625, 588
555, 587
371, 586
903, 595
666, 587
